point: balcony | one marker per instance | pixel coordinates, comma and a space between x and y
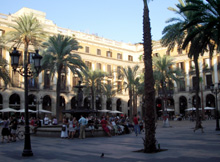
207, 69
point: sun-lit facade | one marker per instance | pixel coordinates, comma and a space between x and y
106, 55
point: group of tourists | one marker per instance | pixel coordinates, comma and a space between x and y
71, 127
9, 129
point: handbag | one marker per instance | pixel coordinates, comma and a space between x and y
74, 125
63, 128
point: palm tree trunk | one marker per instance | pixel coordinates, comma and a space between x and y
197, 93
93, 97
58, 94
130, 105
149, 105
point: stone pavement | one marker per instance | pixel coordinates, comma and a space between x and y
182, 143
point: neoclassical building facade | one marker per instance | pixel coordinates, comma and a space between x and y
106, 55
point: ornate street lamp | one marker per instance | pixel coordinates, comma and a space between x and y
216, 90
26, 73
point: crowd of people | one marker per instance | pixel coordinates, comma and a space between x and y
9, 129
71, 127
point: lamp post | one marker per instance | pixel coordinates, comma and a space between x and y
38, 102
25, 73
216, 90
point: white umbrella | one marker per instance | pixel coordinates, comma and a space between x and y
168, 110
8, 110
115, 112
103, 111
209, 108
44, 111
190, 109
23, 110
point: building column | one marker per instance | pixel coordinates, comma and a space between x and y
215, 69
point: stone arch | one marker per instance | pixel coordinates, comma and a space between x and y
14, 101
74, 103
87, 104
109, 104
210, 100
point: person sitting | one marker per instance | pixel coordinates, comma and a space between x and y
46, 120
54, 122
105, 126
91, 125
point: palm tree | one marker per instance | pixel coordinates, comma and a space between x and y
165, 73
109, 90
58, 57
179, 37
93, 82
4, 73
149, 96
204, 35
130, 74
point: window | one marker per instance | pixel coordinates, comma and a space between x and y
87, 49
182, 84
168, 53
30, 59
119, 87
75, 81
154, 55
46, 79
192, 65
179, 50
119, 72
88, 64
99, 52
2, 32
98, 66
32, 83
109, 70
208, 81
108, 54
181, 66
207, 63
130, 58
119, 56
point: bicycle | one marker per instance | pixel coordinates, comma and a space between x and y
19, 134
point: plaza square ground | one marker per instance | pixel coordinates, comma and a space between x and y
180, 140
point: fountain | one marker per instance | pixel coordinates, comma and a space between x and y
80, 108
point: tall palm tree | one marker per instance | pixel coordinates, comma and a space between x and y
149, 96
176, 34
93, 82
130, 74
58, 57
204, 36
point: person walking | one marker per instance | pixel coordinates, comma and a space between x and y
64, 131
136, 125
5, 130
82, 122
14, 125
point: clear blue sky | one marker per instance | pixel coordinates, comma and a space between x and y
119, 20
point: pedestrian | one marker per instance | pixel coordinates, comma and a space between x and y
13, 125
82, 122
64, 131
136, 125
199, 125
46, 120
71, 128
5, 130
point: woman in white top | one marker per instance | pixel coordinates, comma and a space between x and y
64, 131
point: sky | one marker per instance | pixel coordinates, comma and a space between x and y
119, 20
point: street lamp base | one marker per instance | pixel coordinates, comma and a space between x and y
217, 129
27, 153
